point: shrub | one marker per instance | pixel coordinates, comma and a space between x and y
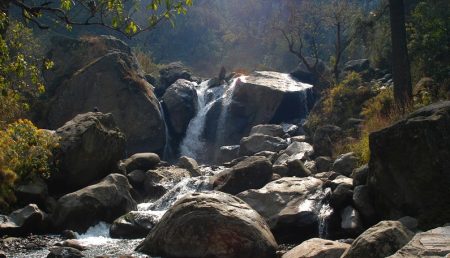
25, 153
146, 62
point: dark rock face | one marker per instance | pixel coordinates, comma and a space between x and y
379, 241
90, 147
105, 201
359, 65
410, 167
258, 142
29, 219
102, 74
304, 75
251, 173
290, 207
210, 225
180, 101
170, 74
323, 164
35, 191
359, 175
323, 139
136, 224
432, 243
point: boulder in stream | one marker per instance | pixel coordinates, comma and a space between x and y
212, 224
317, 248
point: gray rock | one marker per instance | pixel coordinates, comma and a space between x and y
186, 230
432, 243
290, 206
135, 224
228, 153
360, 174
296, 150
323, 164
29, 219
104, 201
345, 164
259, 142
409, 222
170, 74
90, 147
379, 241
297, 168
35, 191
252, 173
341, 196
190, 165
268, 129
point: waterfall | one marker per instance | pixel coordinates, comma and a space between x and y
167, 152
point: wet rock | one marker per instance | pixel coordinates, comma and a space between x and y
137, 178
351, 223
73, 243
64, 252
323, 164
268, 129
323, 139
363, 203
290, 206
432, 243
104, 201
379, 241
180, 101
103, 73
297, 168
90, 147
210, 224
68, 234
345, 164
190, 165
409, 167
359, 175
317, 248
135, 224
141, 161
259, 142
159, 181
252, 173
341, 196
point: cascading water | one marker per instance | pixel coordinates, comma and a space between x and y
167, 152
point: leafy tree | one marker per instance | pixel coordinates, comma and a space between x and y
118, 15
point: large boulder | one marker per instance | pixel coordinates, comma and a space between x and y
258, 142
317, 248
379, 241
210, 224
290, 206
345, 164
101, 73
104, 201
251, 173
141, 161
180, 101
90, 146
261, 98
432, 243
409, 169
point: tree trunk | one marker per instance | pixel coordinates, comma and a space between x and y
400, 61
4, 8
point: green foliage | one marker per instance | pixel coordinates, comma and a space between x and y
20, 72
429, 40
25, 152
